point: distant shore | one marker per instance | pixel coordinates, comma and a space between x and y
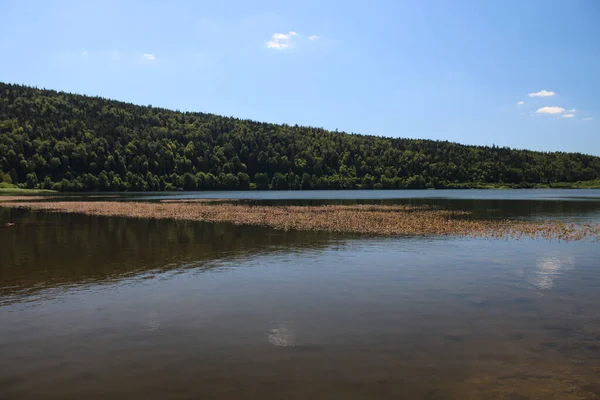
14, 190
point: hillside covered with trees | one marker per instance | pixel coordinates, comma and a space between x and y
69, 142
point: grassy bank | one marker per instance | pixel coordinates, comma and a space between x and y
10, 189
24, 192
595, 184
578, 185
392, 220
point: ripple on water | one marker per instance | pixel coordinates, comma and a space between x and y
281, 337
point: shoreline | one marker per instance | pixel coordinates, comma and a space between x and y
386, 220
47, 192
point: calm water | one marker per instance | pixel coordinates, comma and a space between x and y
474, 194
98, 308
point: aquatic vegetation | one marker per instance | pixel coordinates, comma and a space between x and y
391, 220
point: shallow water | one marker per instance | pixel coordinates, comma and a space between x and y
95, 307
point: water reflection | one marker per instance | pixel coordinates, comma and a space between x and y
52, 250
282, 337
548, 268
153, 321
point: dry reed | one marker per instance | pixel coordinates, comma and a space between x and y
398, 220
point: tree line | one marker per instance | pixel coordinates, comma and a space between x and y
68, 142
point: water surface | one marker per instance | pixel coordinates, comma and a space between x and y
95, 307
481, 194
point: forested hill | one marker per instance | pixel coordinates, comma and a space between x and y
69, 142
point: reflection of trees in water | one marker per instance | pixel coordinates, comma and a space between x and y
45, 250
52, 249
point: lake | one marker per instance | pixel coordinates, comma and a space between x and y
98, 307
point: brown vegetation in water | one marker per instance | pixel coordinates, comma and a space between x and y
394, 220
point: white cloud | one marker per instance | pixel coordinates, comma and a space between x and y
313, 37
588, 119
542, 93
520, 103
550, 110
84, 53
281, 41
568, 115
149, 57
572, 110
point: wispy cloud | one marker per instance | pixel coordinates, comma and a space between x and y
542, 93
572, 110
550, 110
520, 103
116, 56
588, 119
313, 37
568, 115
281, 41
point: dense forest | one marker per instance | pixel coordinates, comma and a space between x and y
69, 142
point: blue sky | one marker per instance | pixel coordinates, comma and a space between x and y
448, 70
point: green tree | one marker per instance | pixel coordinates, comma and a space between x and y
47, 184
231, 181
244, 180
189, 182
278, 182
262, 180
90, 143
103, 182
306, 181
32, 180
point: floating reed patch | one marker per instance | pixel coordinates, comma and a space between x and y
398, 220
